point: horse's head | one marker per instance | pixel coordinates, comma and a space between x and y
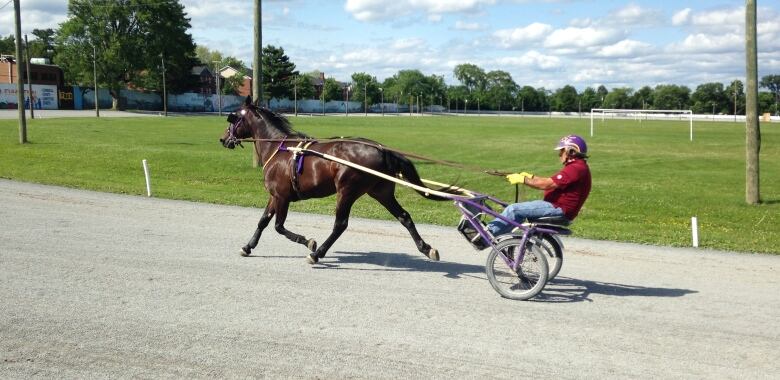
240, 125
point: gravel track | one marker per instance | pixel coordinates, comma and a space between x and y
99, 285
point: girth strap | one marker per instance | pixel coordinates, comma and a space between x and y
297, 165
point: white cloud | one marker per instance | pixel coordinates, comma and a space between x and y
624, 48
376, 10
532, 59
582, 37
38, 14
682, 17
461, 25
520, 37
709, 43
634, 15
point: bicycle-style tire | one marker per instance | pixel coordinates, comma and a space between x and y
553, 251
530, 278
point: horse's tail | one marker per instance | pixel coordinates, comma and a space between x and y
402, 167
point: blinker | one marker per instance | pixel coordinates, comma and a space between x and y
233, 118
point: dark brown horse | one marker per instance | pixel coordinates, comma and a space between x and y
289, 178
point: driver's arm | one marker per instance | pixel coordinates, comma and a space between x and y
541, 183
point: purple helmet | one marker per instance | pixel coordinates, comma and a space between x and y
574, 142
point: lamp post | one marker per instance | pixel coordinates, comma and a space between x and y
29, 82
219, 93
382, 102
165, 93
346, 104
94, 75
466, 106
295, 94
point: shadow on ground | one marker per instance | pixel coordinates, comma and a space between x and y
564, 289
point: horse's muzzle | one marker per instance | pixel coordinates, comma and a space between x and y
228, 143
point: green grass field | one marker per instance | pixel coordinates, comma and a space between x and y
648, 178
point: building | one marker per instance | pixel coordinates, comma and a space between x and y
245, 89
40, 73
206, 82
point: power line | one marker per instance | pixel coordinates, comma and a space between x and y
6, 4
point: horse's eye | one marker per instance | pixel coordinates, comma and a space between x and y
243, 112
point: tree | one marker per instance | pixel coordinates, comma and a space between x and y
7, 45
565, 99
671, 97
589, 99
42, 44
129, 39
529, 99
619, 98
471, 76
602, 93
278, 73
735, 93
709, 98
501, 90
304, 86
772, 82
643, 98
361, 82
331, 90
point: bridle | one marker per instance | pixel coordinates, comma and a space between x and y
235, 121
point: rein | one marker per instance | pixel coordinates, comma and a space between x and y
236, 121
379, 146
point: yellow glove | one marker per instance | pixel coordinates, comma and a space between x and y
518, 177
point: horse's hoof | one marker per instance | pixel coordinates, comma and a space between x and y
312, 258
245, 252
433, 254
311, 244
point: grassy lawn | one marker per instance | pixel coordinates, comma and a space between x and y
648, 178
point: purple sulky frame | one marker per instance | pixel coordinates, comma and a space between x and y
477, 202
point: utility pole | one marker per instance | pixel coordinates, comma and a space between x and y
257, 69
19, 84
94, 75
165, 94
752, 129
29, 82
219, 91
365, 98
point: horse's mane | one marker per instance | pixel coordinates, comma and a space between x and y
280, 123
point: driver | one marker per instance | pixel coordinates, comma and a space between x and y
564, 193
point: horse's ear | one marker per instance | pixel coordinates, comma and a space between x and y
248, 100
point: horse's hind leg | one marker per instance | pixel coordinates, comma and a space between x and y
281, 216
384, 194
268, 213
343, 208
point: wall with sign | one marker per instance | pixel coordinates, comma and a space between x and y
43, 96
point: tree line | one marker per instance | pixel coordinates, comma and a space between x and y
127, 42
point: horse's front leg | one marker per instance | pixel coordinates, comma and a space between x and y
343, 208
281, 216
268, 213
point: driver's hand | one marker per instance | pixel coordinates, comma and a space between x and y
516, 178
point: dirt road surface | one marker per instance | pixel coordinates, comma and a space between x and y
102, 285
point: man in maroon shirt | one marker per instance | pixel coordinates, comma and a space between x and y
564, 193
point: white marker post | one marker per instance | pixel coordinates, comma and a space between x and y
146, 174
695, 231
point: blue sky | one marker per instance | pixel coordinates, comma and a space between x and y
540, 43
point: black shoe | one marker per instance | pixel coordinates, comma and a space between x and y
472, 235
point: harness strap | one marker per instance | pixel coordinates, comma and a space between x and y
299, 152
281, 147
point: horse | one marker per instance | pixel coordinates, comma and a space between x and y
290, 178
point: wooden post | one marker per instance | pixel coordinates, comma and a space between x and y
29, 80
752, 130
19, 84
257, 69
